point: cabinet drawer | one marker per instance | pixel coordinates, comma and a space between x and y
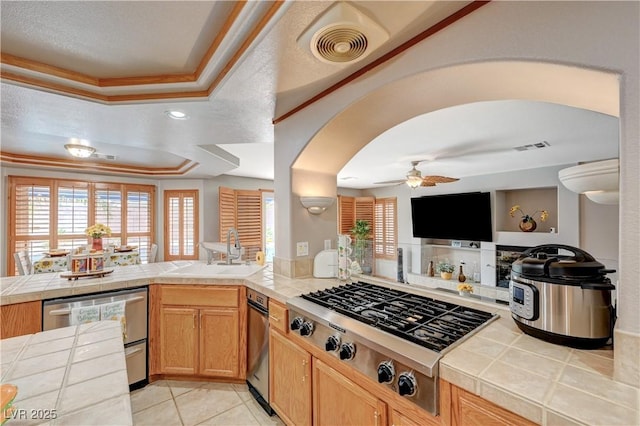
201, 296
278, 317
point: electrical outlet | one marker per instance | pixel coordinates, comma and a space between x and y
327, 244
302, 248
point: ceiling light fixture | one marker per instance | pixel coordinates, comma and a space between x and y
414, 181
80, 151
177, 115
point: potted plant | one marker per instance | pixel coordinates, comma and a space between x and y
465, 289
527, 222
446, 270
96, 232
361, 232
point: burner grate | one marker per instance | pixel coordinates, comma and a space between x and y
431, 323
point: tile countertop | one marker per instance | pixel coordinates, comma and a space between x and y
545, 383
71, 375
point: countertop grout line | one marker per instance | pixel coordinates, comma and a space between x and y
13, 364
65, 377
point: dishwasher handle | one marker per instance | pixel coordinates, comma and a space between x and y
67, 311
257, 307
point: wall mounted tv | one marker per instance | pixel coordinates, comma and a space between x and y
465, 216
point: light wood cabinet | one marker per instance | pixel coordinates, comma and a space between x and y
202, 331
20, 318
469, 409
400, 419
339, 401
290, 380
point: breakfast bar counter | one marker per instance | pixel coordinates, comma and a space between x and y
73, 375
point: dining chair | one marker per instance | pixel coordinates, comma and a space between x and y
153, 254
23, 262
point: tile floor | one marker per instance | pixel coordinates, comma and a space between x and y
170, 402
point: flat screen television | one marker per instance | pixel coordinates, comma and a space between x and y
465, 216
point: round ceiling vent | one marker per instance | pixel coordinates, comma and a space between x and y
340, 44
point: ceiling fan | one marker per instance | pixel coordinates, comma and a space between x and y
415, 179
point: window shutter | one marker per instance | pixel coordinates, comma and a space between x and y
108, 210
72, 215
386, 228
249, 221
346, 214
181, 224
226, 211
364, 210
140, 220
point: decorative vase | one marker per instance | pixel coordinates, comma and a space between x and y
96, 244
464, 293
446, 275
430, 272
461, 276
527, 225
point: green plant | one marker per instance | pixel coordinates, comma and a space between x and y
361, 232
445, 267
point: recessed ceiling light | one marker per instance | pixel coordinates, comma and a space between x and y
177, 115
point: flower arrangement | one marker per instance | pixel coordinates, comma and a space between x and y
98, 230
445, 267
468, 288
544, 214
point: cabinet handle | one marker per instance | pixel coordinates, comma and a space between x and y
376, 416
200, 321
274, 318
194, 320
304, 362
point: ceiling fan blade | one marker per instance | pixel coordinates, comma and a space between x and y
427, 183
390, 182
438, 179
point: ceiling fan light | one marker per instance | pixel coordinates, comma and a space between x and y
414, 181
80, 151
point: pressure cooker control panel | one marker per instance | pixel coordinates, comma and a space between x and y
524, 300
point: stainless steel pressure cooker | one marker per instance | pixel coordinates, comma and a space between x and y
563, 299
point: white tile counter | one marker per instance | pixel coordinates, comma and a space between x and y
548, 384
68, 376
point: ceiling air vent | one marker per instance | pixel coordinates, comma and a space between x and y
103, 156
342, 34
532, 146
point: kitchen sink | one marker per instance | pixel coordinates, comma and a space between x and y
203, 270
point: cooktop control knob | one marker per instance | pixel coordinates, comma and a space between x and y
332, 344
347, 351
296, 323
407, 384
306, 328
386, 372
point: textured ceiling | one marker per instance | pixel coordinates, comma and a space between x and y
108, 71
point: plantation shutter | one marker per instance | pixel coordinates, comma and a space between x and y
226, 211
181, 224
364, 210
249, 221
108, 211
386, 228
241, 209
346, 214
140, 220
72, 215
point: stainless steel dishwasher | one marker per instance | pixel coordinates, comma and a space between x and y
258, 348
57, 313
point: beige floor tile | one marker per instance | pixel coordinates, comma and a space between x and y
178, 387
164, 413
262, 417
205, 402
236, 416
243, 391
150, 395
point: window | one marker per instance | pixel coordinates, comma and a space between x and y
53, 213
181, 224
385, 229
242, 209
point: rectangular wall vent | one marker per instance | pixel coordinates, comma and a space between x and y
103, 156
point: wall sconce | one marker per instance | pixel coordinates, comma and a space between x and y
80, 151
597, 180
316, 205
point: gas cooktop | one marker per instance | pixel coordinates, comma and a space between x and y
431, 323
392, 336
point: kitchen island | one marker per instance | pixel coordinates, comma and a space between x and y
71, 375
544, 383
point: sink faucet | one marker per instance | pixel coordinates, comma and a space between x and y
236, 245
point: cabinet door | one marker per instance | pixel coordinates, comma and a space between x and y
289, 380
20, 319
178, 340
339, 401
219, 342
471, 410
